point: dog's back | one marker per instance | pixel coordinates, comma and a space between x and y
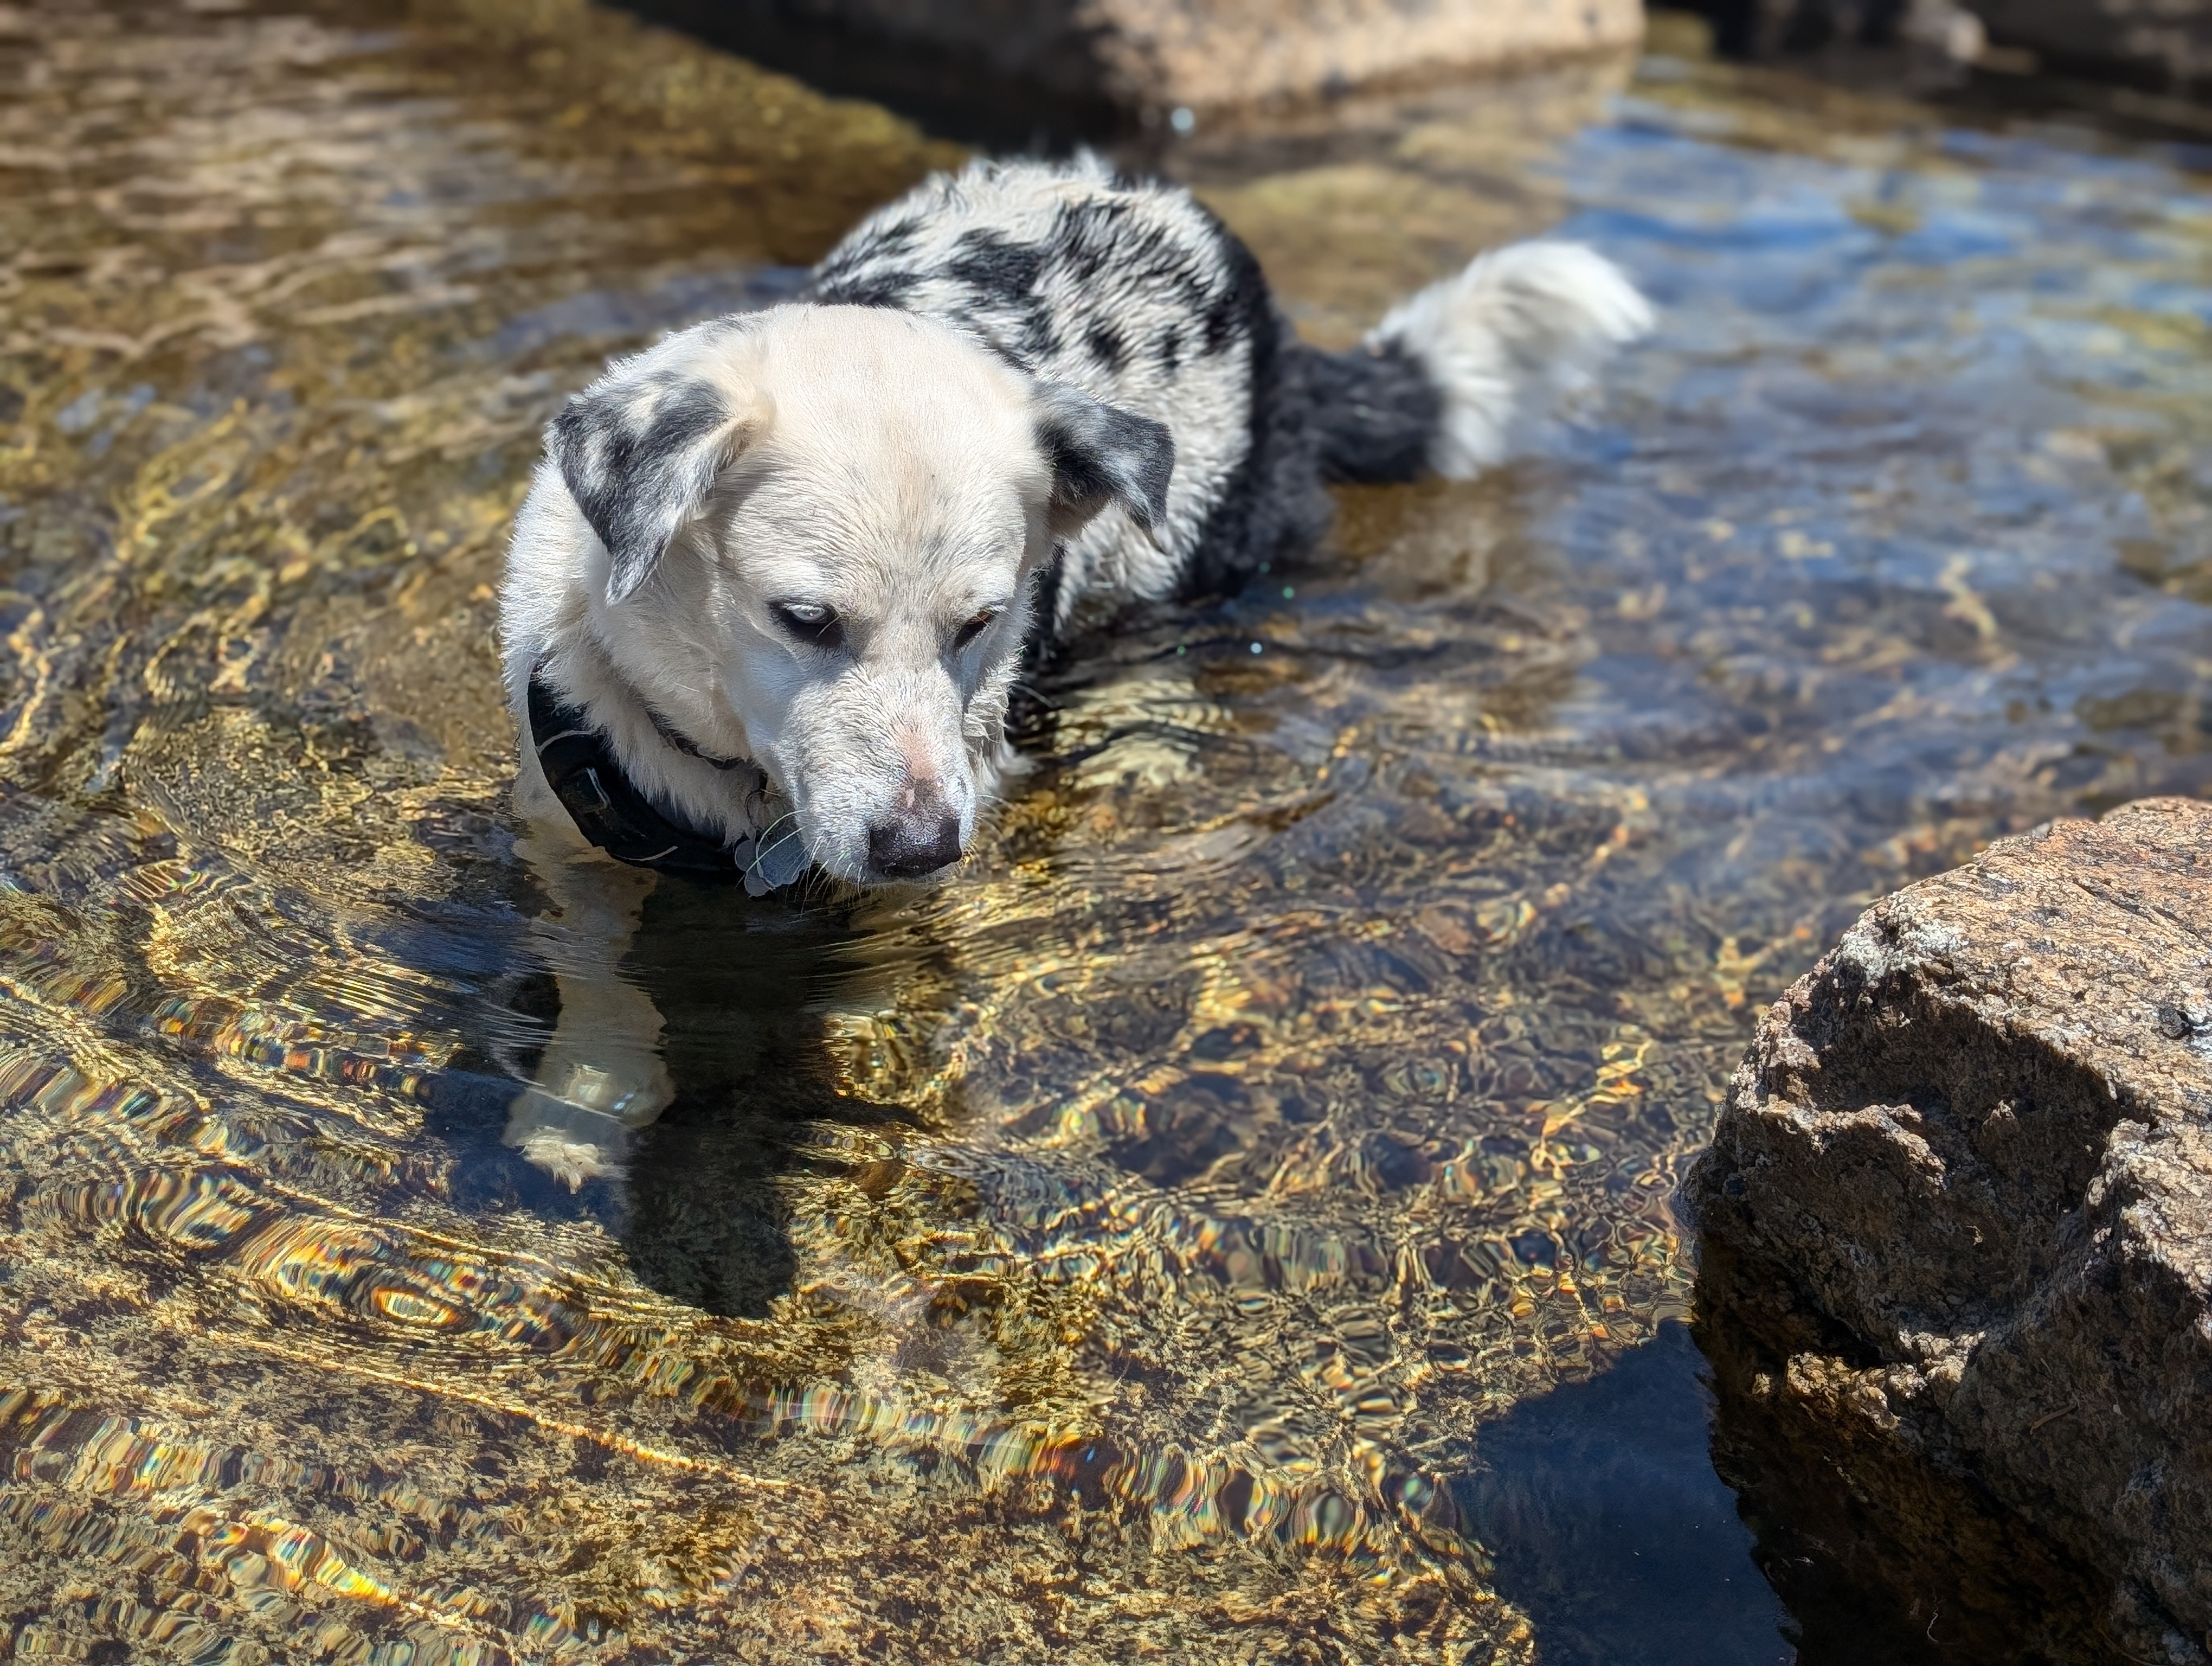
1135, 292
1132, 291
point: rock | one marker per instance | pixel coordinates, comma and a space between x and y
1157, 56
1955, 1230
2163, 44
2166, 42
1769, 28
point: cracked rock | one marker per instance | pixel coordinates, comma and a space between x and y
1955, 1230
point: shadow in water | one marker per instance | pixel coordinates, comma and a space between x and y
738, 984
1883, 1557
1611, 1529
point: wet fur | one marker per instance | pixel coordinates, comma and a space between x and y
1028, 387
1063, 322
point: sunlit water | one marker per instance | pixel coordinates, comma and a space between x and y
1229, 1221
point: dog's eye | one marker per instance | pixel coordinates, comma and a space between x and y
811, 621
975, 628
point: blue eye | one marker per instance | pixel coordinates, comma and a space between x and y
811, 623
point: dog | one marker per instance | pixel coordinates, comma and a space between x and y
768, 596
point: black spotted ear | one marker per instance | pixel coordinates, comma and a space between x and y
1101, 454
640, 450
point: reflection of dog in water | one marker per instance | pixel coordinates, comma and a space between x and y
729, 1008
768, 596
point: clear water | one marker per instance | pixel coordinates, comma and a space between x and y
1229, 1221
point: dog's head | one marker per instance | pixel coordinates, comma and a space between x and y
817, 534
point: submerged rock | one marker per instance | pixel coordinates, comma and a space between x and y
1956, 1222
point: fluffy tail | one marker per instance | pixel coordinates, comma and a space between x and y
1450, 374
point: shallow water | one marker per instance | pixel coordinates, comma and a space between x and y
1230, 1221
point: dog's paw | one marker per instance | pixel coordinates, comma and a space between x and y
568, 1160
578, 1124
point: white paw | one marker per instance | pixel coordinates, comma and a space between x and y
568, 1160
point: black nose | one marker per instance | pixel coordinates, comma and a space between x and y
908, 847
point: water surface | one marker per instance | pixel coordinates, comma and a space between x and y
1206, 1229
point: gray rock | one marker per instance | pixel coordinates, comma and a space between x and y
1955, 1230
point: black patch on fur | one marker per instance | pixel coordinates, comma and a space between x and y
997, 265
1273, 507
895, 238
636, 456
891, 290
1100, 453
1105, 343
1228, 311
1374, 408
1044, 608
1088, 237
1002, 277
840, 278
1029, 713
1170, 351
1006, 352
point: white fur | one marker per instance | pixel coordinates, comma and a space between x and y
1514, 330
885, 459
893, 473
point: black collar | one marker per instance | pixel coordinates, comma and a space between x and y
610, 812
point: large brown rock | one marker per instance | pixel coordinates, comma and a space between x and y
1158, 55
1956, 1241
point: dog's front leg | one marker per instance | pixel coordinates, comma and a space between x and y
601, 1077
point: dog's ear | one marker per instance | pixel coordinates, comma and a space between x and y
640, 450
1101, 454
